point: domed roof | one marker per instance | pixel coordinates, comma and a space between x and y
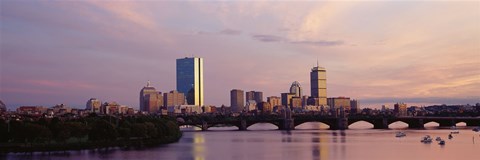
296, 83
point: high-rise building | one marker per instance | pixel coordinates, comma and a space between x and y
254, 95
150, 99
265, 107
190, 79
173, 98
318, 82
236, 100
94, 105
400, 109
296, 89
296, 103
354, 106
274, 101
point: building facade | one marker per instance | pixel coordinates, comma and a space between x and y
173, 98
339, 102
274, 101
190, 79
296, 89
254, 95
318, 82
150, 99
94, 105
400, 109
237, 100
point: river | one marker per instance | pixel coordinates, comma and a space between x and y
308, 141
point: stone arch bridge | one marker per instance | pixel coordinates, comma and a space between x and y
335, 123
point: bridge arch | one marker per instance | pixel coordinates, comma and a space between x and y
431, 124
360, 124
223, 127
398, 124
319, 126
188, 127
270, 125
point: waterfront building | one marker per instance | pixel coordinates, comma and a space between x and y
93, 105
110, 108
286, 99
254, 95
173, 98
400, 109
236, 100
296, 89
150, 99
190, 79
296, 103
274, 101
336, 103
251, 105
318, 82
265, 107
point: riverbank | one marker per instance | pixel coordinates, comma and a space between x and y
56, 147
94, 132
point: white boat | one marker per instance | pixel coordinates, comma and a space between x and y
442, 142
400, 134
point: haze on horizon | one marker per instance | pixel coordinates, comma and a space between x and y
378, 52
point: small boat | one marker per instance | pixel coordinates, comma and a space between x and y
438, 139
400, 134
453, 127
426, 139
442, 142
455, 132
450, 136
476, 129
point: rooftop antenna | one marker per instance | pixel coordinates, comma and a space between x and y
148, 83
317, 61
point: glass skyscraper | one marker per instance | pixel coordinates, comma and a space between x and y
190, 79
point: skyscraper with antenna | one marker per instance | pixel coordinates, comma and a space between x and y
318, 84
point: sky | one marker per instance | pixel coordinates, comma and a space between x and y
379, 52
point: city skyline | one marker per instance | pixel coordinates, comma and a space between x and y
69, 52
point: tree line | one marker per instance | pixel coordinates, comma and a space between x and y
89, 132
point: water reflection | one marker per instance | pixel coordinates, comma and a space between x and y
198, 146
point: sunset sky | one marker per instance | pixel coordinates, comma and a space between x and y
417, 52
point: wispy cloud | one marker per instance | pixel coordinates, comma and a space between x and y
268, 38
273, 38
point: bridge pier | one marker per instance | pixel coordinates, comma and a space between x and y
381, 124
447, 123
340, 124
243, 125
204, 126
287, 124
416, 124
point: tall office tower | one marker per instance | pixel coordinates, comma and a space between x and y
173, 98
296, 89
190, 79
254, 95
236, 100
318, 82
249, 96
150, 99
258, 97
93, 104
